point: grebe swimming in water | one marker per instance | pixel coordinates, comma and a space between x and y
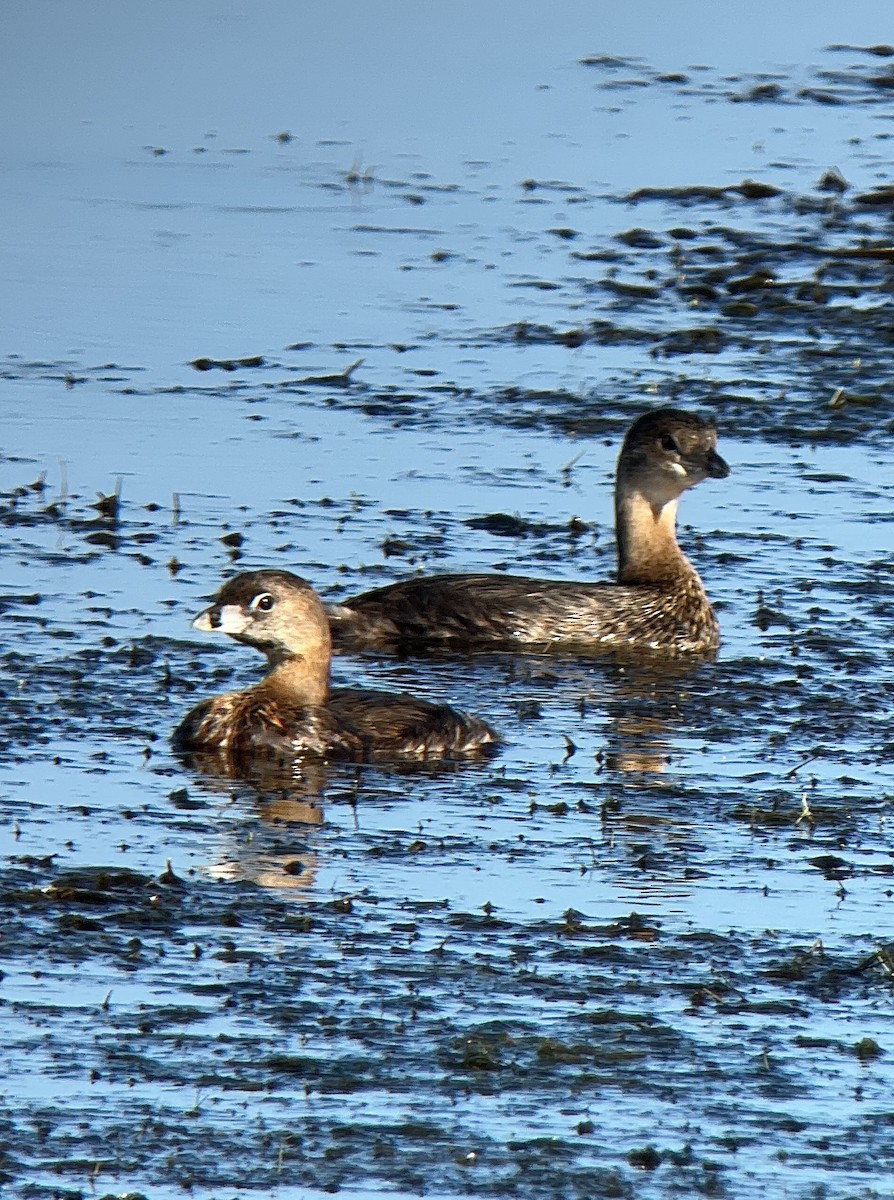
292, 711
657, 605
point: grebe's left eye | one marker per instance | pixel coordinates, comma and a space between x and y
669, 444
263, 603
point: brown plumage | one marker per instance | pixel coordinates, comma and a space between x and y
292, 711
658, 604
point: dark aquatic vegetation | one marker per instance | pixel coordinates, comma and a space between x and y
643, 952
227, 364
748, 189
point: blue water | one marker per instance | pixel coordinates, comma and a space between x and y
319, 185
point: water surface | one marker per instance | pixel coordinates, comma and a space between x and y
428, 273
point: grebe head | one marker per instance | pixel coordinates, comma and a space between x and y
667, 451
274, 611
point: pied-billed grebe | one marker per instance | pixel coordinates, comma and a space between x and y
292, 711
657, 605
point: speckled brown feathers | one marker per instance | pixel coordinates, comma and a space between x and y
363, 726
657, 605
479, 612
291, 713
241, 725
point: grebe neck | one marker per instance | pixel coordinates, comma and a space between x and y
300, 679
648, 551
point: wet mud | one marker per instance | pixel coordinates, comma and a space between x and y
644, 952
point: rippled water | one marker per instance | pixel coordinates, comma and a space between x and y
646, 950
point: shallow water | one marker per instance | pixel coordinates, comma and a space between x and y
657, 965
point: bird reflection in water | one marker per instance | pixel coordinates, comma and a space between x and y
285, 806
647, 709
284, 802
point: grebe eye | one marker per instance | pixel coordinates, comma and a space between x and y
262, 603
669, 444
